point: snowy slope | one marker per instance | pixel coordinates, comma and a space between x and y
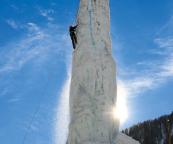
124, 139
157, 131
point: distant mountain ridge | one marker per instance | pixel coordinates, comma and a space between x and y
157, 131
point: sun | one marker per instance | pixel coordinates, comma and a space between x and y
121, 110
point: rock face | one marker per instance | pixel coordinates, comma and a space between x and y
93, 83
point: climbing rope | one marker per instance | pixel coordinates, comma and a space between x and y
33, 117
90, 7
78, 9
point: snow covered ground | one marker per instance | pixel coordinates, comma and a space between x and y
124, 139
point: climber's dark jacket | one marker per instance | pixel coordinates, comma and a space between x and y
72, 31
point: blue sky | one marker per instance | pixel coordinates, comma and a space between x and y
35, 60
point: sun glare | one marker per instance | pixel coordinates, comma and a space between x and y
121, 111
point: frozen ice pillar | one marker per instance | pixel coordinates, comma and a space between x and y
93, 83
